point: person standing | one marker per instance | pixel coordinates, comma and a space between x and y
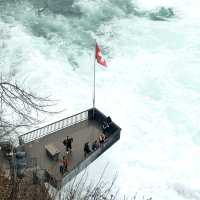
61, 167
65, 163
69, 144
65, 144
86, 149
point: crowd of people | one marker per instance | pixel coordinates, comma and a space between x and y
91, 147
88, 147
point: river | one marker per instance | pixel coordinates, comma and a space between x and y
151, 87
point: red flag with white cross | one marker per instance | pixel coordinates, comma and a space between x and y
99, 57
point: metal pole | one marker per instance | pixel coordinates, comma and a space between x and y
1, 91
1, 111
94, 70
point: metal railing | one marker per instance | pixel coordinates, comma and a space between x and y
51, 128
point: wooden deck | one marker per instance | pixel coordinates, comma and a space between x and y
85, 131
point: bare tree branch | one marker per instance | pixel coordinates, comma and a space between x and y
19, 107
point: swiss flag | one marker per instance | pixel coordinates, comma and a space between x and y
99, 57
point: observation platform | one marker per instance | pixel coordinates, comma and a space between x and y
83, 127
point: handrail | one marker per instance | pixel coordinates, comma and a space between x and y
55, 126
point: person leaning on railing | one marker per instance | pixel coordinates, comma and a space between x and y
102, 138
106, 124
95, 145
87, 149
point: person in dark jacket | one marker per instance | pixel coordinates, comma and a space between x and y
95, 145
104, 126
86, 149
61, 167
69, 144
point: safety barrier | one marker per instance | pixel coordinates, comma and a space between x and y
50, 128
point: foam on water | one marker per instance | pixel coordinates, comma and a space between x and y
151, 87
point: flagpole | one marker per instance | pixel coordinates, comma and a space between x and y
94, 71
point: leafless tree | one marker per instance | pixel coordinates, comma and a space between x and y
79, 189
19, 107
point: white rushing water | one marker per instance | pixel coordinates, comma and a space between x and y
151, 87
